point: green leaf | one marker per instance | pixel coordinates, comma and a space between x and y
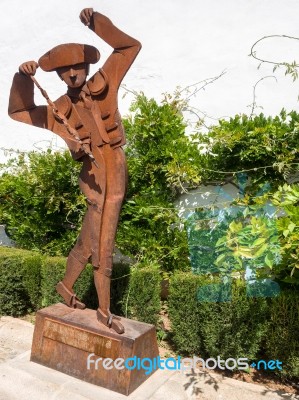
259, 241
286, 232
220, 259
221, 241
235, 226
269, 259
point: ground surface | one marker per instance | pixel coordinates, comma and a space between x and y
20, 378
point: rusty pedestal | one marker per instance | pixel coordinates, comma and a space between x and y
65, 337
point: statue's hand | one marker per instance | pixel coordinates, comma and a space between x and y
85, 16
28, 68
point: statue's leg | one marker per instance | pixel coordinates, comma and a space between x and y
76, 262
104, 315
116, 172
92, 181
116, 175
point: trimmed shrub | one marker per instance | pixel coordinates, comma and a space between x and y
32, 279
211, 319
14, 287
142, 299
183, 312
53, 270
119, 287
234, 327
28, 280
282, 341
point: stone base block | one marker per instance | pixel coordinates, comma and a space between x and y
65, 337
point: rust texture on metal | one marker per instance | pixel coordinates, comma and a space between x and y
81, 339
87, 118
65, 337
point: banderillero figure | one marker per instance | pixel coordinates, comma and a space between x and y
87, 118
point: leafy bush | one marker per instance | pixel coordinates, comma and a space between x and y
42, 207
282, 342
161, 161
142, 299
40, 202
259, 230
206, 314
265, 146
183, 312
28, 280
15, 299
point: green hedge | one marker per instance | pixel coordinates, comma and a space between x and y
142, 298
15, 282
183, 307
208, 319
282, 339
32, 279
53, 270
213, 320
235, 327
28, 280
120, 282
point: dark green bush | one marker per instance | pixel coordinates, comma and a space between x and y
212, 319
183, 312
28, 280
119, 287
15, 299
53, 270
32, 279
142, 299
282, 339
235, 327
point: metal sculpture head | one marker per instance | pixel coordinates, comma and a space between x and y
68, 54
71, 62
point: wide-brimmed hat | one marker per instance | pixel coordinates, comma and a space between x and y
68, 54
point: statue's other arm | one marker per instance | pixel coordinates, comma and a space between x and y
23, 109
21, 100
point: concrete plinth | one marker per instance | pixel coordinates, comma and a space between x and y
65, 337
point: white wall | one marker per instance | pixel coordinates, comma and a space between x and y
184, 41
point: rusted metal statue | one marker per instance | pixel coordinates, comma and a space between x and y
87, 118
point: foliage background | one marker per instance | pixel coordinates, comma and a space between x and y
42, 208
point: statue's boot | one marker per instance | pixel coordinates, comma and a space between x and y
102, 281
75, 265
